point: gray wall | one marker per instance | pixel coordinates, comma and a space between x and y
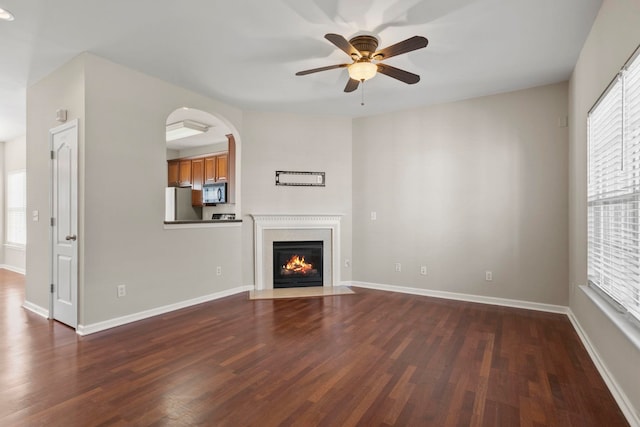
122, 179
62, 89
613, 38
297, 143
463, 188
125, 178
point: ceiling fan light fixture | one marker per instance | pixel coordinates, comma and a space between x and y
184, 129
5, 15
362, 70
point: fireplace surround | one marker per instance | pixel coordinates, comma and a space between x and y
269, 228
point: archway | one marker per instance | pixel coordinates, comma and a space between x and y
203, 154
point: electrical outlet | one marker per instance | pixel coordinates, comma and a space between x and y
218, 271
347, 263
423, 270
122, 291
398, 266
374, 216
488, 276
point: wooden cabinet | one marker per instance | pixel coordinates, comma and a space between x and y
216, 169
222, 167
209, 170
184, 175
197, 178
179, 173
195, 173
174, 173
196, 198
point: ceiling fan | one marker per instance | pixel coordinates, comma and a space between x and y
366, 59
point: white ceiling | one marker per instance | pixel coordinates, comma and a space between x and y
246, 52
217, 132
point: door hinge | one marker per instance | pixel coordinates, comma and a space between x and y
53, 221
53, 154
52, 288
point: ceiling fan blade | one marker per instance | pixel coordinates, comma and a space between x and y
397, 73
352, 85
315, 70
343, 44
408, 45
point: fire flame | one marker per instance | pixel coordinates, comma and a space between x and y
297, 264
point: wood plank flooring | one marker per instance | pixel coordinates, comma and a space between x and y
372, 359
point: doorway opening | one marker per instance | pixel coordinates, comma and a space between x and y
202, 151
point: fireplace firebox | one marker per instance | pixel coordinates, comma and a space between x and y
297, 264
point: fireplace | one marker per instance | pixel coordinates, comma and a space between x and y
297, 264
269, 228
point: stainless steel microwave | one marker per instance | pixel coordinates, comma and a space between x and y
213, 194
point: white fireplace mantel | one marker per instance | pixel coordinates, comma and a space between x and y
262, 222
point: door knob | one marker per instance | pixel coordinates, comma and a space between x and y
71, 237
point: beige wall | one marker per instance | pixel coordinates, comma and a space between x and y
463, 188
62, 89
298, 143
613, 38
122, 179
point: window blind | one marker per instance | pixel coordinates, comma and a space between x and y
16, 208
614, 190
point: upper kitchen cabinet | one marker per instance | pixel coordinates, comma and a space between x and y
222, 167
174, 173
184, 174
209, 170
197, 174
179, 173
216, 168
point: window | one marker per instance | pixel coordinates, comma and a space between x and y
614, 190
16, 208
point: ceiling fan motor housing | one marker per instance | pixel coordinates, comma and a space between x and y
367, 45
366, 58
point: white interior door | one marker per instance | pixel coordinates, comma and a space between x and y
64, 222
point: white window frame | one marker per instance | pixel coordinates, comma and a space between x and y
16, 206
613, 199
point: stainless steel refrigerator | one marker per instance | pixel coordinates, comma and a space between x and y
178, 205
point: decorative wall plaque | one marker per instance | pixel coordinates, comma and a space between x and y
304, 179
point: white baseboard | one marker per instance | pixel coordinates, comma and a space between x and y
616, 391
464, 297
119, 321
36, 309
14, 269
618, 394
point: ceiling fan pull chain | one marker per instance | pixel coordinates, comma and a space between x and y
362, 93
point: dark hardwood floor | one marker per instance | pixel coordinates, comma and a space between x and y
373, 359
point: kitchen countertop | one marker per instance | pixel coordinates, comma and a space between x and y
204, 221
